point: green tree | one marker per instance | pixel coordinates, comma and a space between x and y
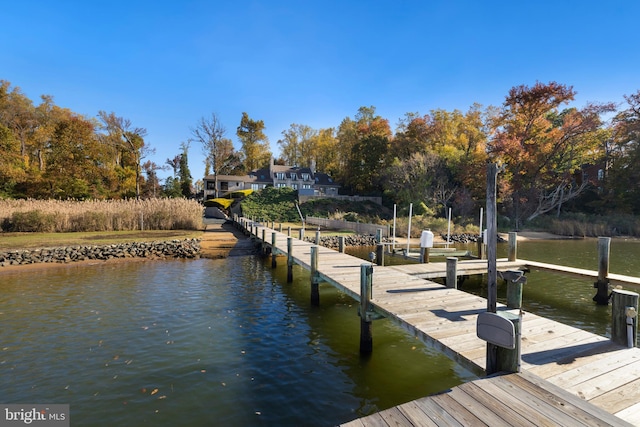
423, 178
298, 145
255, 144
18, 114
459, 140
326, 151
172, 188
127, 143
152, 183
73, 160
11, 165
185, 174
363, 148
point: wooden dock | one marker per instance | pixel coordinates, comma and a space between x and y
436, 270
586, 365
509, 400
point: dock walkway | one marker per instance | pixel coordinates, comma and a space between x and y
587, 365
509, 400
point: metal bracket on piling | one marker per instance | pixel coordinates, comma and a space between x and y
370, 315
602, 295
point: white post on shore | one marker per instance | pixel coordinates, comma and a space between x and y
449, 228
409, 229
394, 226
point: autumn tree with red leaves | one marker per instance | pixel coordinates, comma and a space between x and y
543, 148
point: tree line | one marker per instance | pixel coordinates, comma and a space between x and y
556, 156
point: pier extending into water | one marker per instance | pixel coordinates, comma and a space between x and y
597, 370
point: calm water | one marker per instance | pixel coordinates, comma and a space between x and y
201, 343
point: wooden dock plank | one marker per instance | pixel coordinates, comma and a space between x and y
631, 414
599, 385
581, 412
594, 354
394, 417
416, 416
499, 404
620, 398
437, 413
485, 414
461, 414
597, 367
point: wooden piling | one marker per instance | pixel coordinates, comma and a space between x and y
452, 272
280, 227
602, 285
315, 280
624, 317
341, 244
508, 360
289, 259
380, 254
274, 263
379, 235
513, 246
289, 231
264, 241
424, 255
366, 330
318, 237
301, 234
492, 272
514, 294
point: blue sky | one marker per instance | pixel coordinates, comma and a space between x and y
165, 64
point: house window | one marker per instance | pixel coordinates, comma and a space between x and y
255, 187
306, 186
224, 186
600, 174
294, 186
294, 176
306, 177
280, 175
280, 185
211, 185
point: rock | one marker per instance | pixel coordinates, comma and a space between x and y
188, 248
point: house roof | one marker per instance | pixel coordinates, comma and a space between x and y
289, 170
266, 175
325, 180
238, 178
260, 175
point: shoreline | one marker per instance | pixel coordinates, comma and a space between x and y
219, 241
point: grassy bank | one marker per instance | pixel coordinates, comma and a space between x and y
14, 241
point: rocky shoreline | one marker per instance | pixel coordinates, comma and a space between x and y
333, 242
188, 248
367, 240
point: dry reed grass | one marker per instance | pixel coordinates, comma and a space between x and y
100, 215
585, 226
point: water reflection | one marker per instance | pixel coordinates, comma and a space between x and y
204, 342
